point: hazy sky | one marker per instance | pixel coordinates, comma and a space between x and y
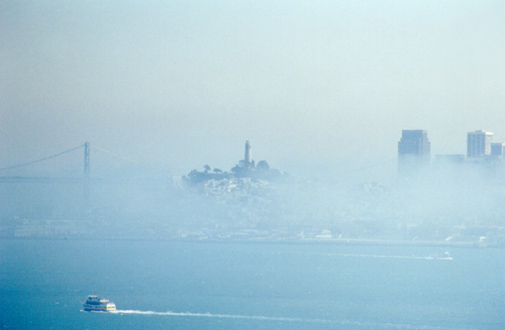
181, 84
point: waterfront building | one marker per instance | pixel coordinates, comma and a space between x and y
479, 144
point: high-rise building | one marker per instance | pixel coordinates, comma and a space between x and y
497, 150
413, 150
478, 144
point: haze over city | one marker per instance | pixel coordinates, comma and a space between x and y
276, 165
316, 86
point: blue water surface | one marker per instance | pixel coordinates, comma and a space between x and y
211, 285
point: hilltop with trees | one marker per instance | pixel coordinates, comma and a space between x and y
245, 168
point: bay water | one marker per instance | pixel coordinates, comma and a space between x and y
244, 285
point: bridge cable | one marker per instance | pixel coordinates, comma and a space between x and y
42, 159
112, 154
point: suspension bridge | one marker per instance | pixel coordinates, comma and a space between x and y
85, 148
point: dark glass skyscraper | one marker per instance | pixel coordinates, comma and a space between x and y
413, 150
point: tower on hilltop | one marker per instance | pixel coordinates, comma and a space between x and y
248, 162
247, 157
413, 150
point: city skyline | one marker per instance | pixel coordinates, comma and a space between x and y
314, 85
413, 151
124, 172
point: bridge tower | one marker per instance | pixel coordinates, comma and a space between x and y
86, 159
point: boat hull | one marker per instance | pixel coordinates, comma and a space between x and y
99, 308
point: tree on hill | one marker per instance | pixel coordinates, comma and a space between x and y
262, 166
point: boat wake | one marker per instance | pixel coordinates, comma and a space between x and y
360, 324
226, 316
433, 257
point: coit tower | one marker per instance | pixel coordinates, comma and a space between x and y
247, 157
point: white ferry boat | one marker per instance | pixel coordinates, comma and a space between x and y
98, 304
